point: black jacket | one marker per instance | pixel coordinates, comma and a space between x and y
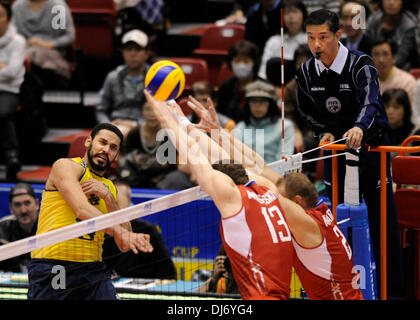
11, 231
365, 44
155, 265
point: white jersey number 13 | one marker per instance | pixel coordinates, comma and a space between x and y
274, 212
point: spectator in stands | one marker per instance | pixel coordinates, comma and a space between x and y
304, 137
202, 91
390, 76
313, 5
303, 133
302, 54
294, 35
22, 223
262, 113
262, 21
244, 60
47, 26
142, 162
179, 179
155, 265
355, 37
239, 11
398, 109
374, 5
221, 280
12, 70
150, 16
121, 96
395, 22
182, 178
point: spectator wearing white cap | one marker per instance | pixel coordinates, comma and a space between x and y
262, 127
121, 96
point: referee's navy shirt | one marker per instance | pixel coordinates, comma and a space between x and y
345, 95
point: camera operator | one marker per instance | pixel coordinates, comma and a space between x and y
222, 280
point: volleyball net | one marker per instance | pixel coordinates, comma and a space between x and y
187, 223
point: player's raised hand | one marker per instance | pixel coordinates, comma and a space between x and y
175, 108
160, 108
208, 115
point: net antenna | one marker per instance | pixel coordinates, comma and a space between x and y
282, 82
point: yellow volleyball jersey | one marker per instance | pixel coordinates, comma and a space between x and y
56, 213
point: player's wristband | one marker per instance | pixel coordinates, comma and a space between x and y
183, 121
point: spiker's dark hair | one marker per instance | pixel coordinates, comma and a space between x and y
107, 126
235, 171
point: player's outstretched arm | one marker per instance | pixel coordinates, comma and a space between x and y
303, 227
209, 148
237, 150
249, 158
217, 185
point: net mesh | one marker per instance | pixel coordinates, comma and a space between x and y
186, 239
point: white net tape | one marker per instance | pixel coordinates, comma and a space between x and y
105, 221
100, 223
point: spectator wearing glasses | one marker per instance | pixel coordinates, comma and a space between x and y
390, 76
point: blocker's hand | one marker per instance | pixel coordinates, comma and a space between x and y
208, 115
354, 137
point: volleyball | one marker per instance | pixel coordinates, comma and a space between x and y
165, 80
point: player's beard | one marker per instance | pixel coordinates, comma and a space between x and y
95, 166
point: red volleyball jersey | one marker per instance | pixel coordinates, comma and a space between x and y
258, 243
326, 271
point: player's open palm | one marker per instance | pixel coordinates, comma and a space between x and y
133, 241
208, 115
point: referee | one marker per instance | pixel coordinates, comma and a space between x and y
338, 95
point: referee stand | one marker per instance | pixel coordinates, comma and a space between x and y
348, 217
352, 218
354, 224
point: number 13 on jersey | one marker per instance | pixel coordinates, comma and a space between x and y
274, 212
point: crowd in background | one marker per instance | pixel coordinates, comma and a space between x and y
34, 56
388, 31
